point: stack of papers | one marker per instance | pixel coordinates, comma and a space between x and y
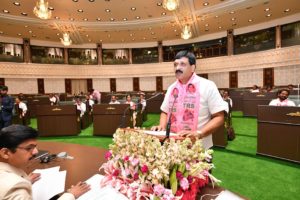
159, 133
51, 183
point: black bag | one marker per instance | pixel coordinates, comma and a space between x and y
230, 133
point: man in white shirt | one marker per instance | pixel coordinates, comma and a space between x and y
18, 145
22, 110
282, 99
81, 107
208, 110
114, 100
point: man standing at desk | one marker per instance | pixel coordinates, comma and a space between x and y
18, 146
196, 114
6, 108
282, 99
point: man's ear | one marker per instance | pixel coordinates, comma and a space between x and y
4, 153
193, 68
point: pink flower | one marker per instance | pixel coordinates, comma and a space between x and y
116, 172
108, 155
134, 161
179, 175
126, 158
135, 176
159, 190
184, 184
144, 169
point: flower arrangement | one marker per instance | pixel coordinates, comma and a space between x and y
140, 167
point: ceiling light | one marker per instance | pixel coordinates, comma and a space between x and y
137, 17
72, 19
205, 4
1, 32
107, 10
232, 12
24, 14
41, 10
75, 0
57, 34
159, 4
98, 19
50, 8
186, 32
163, 13
220, 27
19, 34
26, 26
206, 25
232, 19
267, 9
30, 31
80, 10
269, 15
124, 19
56, 17
287, 10
5, 11
250, 20
66, 40
216, 16
91, 0
112, 19
133, 8
16, 3
85, 19
171, 5
175, 30
87, 35
90, 40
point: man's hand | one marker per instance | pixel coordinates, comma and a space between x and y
79, 189
33, 177
191, 134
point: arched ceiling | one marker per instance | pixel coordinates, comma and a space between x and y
126, 21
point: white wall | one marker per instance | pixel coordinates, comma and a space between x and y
248, 78
220, 79
54, 85
101, 84
148, 83
167, 81
124, 84
287, 75
21, 85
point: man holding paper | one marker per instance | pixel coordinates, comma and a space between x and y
192, 104
18, 145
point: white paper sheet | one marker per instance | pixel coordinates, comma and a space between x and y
159, 133
51, 183
96, 193
227, 195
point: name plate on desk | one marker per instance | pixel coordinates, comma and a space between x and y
295, 114
56, 109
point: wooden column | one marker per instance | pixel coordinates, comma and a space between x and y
136, 84
68, 86
130, 56
159, 84
160, 52
268, 76
2, 81
113, 85
41, 87
89, 83
99, 53
233, 79
66, 56
27, 52
203, 75
230, 44
278, 36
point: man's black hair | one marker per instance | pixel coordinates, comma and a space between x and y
284, 89
12, 136
187, 54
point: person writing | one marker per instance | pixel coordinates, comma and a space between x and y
18, 145
202, 100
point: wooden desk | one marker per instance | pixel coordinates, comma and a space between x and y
220, 137
108, 117
58, 120
87, 161
279, 132
33, 102
252, 100
237, 100
153, 105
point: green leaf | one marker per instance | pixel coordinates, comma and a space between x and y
173, 180
181, 167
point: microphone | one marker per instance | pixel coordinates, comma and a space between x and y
125, 111
168, 128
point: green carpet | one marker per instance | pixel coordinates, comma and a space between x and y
237, 166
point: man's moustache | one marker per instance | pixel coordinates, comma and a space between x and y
178, 71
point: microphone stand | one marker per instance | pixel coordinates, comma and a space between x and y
125, 111
168, 128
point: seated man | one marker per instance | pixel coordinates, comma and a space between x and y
53, 99
141, 115
81, 107
21, 109
282, 99
17, 146
114, 100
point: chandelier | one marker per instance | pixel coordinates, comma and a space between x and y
41, 10
170, 5
186, 32
66, 40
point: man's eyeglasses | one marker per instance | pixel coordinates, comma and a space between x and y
29, 148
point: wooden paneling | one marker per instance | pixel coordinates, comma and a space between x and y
136, 84
159, 83
233, 79
269, 77
68, 86
113, 85
203, 75
2, 81
89, 83
41, 86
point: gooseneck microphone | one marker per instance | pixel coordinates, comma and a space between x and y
168, 128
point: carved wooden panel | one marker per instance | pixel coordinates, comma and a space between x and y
2, 81
136, 84
41, 86
113, 85
233, 79
159, 83
268, 76
68, 86
89, 84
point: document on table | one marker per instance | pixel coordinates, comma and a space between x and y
96, 193
159, 133
227, 195
51, 183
